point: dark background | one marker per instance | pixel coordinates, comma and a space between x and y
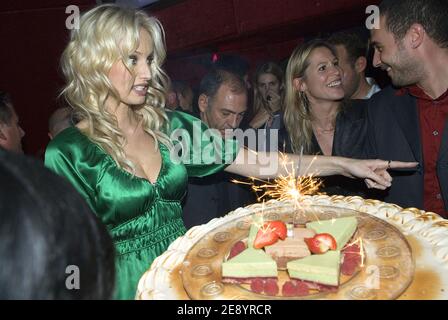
33, 35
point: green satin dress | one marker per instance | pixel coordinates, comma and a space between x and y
143, 218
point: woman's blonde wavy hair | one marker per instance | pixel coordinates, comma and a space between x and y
107, 34
276, 71
297, 116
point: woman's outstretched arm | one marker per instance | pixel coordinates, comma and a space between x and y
265, 165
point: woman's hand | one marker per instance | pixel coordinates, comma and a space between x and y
264, 115
266, 165
374, 172
273, 101
260, 118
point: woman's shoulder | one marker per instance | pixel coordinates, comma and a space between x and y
72, 155
181, 115
180, 119
69, 138
71, 143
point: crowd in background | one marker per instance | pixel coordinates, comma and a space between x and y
320, 103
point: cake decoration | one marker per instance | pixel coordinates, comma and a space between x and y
321, 243
269, 233
318, 268
385, 258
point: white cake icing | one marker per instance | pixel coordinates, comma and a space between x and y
428, 229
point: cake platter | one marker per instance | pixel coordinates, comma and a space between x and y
387, 270
405, 253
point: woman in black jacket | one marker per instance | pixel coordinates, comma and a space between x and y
317, 118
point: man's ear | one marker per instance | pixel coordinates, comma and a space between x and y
299, 85
415, 35
360, 64
203, 103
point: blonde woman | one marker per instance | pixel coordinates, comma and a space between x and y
119, 156
268, 96
268, 107
317, 118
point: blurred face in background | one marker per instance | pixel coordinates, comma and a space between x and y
186, 100
350, 78
268, 83
11, 134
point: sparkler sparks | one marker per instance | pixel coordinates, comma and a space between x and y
284, 187
361, 253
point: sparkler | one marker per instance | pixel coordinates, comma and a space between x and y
360, 244
289, 186
293, 187
285, 187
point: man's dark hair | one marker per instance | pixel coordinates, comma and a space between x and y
233, 63
431, 14
5, 108
212, 81
181, 87
46, 229
352, 42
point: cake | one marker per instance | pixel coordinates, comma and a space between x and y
341, 229
302, 252
254, 227
318, 268
302, 233
406, 248
251, 263
291, 248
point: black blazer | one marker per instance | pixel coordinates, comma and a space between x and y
394, 134
214, 196
350, 131
349, 141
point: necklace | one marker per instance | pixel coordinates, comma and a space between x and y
324, 131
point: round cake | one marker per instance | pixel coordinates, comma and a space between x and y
405, 254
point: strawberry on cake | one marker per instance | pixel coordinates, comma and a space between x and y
312, 256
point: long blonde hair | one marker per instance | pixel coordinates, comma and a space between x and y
276, 71
107, 34
297, 116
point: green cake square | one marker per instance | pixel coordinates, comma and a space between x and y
342, 229
250, 263
252, 235
319, 268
